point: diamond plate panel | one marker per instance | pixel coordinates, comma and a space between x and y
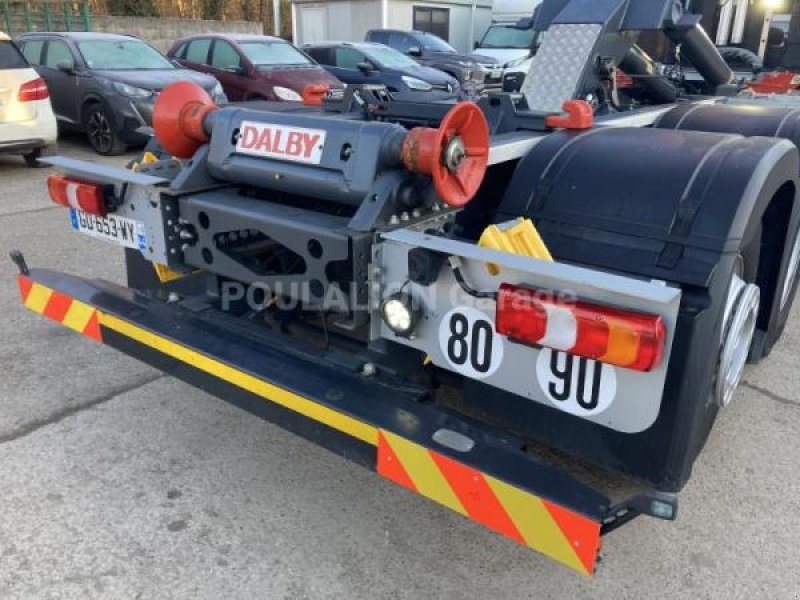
558, 65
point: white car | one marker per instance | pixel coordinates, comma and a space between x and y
27, 123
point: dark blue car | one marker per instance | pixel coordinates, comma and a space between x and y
364, 62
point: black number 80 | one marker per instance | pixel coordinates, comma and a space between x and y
475, 346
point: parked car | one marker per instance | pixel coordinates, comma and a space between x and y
27, 124
364, 63
432, 51
252, 67
106, 84
513, 44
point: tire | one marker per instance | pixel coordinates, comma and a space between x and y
32, 158
780, 290
101, 130
741, 58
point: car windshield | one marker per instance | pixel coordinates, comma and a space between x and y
388, 57
499, 36
10, 57
268, 54
435, 43
122, 55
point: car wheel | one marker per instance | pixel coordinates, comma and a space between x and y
32, 158
101, 131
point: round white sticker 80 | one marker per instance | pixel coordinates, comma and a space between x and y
574, 384
469, 343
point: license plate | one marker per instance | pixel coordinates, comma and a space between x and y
112, 228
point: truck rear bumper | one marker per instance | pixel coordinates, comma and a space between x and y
469, 468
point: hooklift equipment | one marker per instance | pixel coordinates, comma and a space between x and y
319, 266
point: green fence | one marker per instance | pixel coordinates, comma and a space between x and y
44, 15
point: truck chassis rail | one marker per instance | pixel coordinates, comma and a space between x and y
467, 467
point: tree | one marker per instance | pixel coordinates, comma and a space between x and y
132, 8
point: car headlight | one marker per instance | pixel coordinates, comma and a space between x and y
131, 91
516, 62
417, 84
218, 94
285, 93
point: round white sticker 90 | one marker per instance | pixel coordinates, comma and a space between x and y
469, 343
574, 384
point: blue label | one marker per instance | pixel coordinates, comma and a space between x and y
73, 216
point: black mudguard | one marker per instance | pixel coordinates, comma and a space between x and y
677, 206
780, 225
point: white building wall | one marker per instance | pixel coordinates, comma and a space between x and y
401, 16
349, 20
342, 20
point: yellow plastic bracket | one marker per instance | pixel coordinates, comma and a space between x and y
148, 158
165, 274
517, 237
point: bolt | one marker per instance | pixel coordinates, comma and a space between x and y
172, 251
404, 216
436, 207
416, 213
173, 298
393, 220
186, 235
368, 370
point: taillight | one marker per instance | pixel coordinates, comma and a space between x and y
33, 90
73, 193
618, 337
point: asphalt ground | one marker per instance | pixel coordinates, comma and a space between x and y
119, 482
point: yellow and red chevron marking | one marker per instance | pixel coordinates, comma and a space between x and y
59, 307
563, 535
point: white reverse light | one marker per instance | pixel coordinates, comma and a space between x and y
399, 314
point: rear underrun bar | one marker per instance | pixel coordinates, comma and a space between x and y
373, 421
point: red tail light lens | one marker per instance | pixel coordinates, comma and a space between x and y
618, 337
33, 90
73, 193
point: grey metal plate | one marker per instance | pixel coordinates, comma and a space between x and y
558, 66
629, 401
101, 173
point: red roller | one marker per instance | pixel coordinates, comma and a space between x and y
314, 93
178, 118
455, 155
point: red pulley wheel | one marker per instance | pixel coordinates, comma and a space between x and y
455, 155
178, 117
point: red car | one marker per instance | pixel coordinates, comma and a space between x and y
252, 67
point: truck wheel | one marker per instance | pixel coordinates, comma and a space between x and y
776, 253
101, 130
738, 329
740, 58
